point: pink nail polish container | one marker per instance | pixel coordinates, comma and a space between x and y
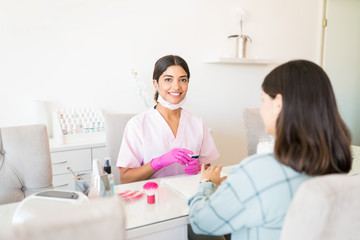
150, 190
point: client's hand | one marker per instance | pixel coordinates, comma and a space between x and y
179, 155
212, 173
192, 167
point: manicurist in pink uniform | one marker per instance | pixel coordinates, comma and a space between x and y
166, 140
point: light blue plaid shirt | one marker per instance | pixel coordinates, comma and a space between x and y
250, 204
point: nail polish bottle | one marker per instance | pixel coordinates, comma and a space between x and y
107, 165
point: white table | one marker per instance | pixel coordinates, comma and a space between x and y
166, 219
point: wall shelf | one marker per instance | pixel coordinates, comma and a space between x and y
250, 61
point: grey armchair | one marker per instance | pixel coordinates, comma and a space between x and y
25, 162
114, 131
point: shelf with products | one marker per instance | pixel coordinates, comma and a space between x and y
78, 125
78, 138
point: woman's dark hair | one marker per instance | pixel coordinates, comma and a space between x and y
311, 136
163, 63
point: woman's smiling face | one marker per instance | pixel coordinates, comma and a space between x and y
173, 84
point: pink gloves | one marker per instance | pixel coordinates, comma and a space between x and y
192, 167
177, 155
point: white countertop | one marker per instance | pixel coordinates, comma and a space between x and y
170, 208
169, 204
171, 199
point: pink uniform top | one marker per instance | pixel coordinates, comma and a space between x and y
147, 136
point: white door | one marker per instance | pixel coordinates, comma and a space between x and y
342, 59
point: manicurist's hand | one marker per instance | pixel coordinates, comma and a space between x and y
176, 155
212, 173
193, 167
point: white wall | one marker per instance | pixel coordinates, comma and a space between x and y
342, 59
76, 53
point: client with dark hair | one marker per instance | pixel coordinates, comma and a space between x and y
299, 108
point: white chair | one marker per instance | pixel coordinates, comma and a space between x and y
355, 169
93, 220
114, 131
325, 207
254, 127
25, 162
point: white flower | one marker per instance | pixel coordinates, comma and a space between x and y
240, 14
140, 87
